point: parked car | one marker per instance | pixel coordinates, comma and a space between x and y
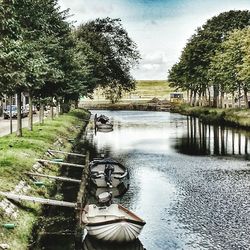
6, 112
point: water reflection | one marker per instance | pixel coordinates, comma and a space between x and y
91, 244
205, 139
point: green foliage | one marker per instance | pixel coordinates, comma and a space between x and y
192, 70
111, 54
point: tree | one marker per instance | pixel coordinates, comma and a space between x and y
111, 53
202, 46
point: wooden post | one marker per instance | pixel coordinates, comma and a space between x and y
11, 120
61, 163
67, 153
30, 112
58, 178
81, 201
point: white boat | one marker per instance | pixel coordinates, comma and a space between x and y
108, 173
90, 243
113, 223
102, 123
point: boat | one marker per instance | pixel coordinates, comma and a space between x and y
108, 173
102, 123
116, 191
111, 222
90, 243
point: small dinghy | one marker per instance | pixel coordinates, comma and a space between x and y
108, 173
102, 123
111, 222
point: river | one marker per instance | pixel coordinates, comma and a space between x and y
189, 181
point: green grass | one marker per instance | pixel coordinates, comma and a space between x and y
235, 117
17, 155
144, 90
147, 89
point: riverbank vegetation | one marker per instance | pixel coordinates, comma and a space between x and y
18, 155
234, 117
214, 65
55, 63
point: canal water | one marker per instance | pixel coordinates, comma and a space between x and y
189, 181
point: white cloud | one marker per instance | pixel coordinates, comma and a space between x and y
160, 41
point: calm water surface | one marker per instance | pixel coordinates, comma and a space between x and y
190, 182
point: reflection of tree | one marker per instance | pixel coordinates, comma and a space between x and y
205, 139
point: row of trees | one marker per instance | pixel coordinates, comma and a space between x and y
216, 61
45, 56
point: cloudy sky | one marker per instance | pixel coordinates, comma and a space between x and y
159, 27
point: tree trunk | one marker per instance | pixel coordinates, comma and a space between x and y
52, 111
222, 100
191, 98
188, 96
246, 98
239, 96
30, 123
199, 99
11, 120
57, 108
61, 108
209, 98
76, 104
233, 100
41, 113
19, 115
194, 99
216, 95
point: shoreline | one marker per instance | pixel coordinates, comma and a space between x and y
239, 118
53, 134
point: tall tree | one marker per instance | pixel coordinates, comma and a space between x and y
113, 53
202, 46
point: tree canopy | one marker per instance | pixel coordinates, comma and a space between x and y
199, 52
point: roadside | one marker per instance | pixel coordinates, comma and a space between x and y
17, 156
5, 124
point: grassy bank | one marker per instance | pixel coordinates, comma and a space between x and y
233, 117
17, 156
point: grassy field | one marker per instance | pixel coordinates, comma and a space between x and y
145, 90
17, 155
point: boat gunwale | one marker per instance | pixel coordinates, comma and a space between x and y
137, 220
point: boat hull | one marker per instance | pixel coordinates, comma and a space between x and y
122, 231
102, 126
113, 223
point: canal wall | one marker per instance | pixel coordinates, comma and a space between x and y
17, 156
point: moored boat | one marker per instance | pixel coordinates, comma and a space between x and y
108, 173
102, 123
113, 223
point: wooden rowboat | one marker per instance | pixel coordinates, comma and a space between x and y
102, 123
112, 223
108, 173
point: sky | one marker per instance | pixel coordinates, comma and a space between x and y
160, 28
